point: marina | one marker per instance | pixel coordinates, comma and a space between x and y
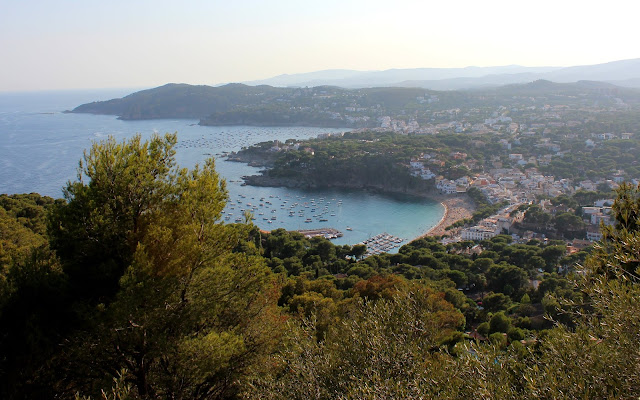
305, 209
381, 243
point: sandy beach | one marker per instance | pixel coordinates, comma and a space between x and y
455, 209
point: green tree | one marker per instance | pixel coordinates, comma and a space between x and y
359, 250
502, 275
189, 316
536, 262
499, 323
482, 265
496, 302
551, 256
536, 215
386, 349
97, 230
34, 305
570, 225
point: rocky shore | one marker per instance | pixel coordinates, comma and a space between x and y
268, 181
252, 159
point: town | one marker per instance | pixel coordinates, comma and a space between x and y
523, 151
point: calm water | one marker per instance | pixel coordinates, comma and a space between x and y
40, 148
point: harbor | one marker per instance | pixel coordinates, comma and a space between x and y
381, 243
299, 209
343, 216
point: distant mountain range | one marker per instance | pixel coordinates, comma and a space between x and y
622, 73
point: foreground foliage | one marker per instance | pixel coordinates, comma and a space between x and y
133, 288
594, 356
151, 283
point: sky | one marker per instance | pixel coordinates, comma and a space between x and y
63, 44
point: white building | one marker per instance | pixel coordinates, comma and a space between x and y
593, 234
447, 186
479, 233
515, 156
427, 174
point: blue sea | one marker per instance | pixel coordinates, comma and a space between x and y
40, 147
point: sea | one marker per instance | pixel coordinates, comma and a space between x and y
41, 146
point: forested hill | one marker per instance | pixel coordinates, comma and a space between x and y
234, 104
181, 101
328, 106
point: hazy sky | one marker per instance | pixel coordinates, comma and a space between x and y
65, 44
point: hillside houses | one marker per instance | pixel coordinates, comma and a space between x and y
604, 136
515, 186
448, 186
493, 226
417, 168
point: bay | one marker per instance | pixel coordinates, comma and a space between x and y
40, 147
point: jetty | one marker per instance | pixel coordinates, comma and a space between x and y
328, 233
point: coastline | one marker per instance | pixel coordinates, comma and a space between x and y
455, 208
